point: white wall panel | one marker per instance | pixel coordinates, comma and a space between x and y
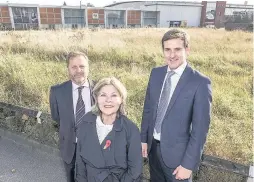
191, 14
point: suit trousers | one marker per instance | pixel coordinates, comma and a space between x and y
158, 169
70, 168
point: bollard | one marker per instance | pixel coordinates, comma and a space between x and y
251, 174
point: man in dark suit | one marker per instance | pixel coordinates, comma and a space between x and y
176, 114
69, 102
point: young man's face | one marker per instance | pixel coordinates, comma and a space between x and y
78, 69
175, 53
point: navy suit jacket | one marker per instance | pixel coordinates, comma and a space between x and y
61, 107
186, 122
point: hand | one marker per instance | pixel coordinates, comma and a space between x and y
182, 173
144, 149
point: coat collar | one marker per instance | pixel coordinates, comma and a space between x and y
69, 99
95, 154
118, 124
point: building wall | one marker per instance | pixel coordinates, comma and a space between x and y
213, 14
143, 4
4, 15
133, 17
133, 5
51, 26
220, 14
95, 16
50, 15
129, 14
203, 14
190, 14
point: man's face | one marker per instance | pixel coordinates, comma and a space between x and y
78, 69
175, 53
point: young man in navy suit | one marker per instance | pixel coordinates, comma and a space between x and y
176, 114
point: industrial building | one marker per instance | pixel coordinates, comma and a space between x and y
128, 14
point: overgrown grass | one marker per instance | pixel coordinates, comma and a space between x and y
30, 62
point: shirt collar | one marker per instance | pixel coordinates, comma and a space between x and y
99, 122
180, 69
75, 86
117, 125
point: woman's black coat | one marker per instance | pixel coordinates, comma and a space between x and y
119, 162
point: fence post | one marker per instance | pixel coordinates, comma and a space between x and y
251, 174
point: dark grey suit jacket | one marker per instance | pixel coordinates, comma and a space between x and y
120, 162
61, 106
186, 122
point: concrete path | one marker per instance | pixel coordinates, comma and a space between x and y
21, 163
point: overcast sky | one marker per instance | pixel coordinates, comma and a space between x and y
98, 3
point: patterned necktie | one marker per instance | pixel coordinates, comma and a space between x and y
163, 102
80, 107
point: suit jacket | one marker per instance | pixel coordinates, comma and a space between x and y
120, 162
61, 106
186, 122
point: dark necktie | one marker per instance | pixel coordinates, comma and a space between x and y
163, 102
80, 107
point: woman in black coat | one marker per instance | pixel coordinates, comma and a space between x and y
109, 144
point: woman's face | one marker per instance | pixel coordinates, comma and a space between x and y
109, 100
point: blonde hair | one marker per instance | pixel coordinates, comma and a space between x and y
119, 87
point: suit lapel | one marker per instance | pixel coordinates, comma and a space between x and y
92, 151
91, 86
69, 100
180, 85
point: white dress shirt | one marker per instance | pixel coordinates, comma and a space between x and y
102, 129
174, 80
85, 96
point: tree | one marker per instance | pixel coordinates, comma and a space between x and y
89, 5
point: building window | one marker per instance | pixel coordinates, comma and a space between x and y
150, 18
115, 19
74, 16
25, 18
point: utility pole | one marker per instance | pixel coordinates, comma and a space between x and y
80, 15
156, 15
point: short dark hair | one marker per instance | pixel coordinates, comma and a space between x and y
176, 34
72, 55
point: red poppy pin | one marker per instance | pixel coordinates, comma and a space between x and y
108, 143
